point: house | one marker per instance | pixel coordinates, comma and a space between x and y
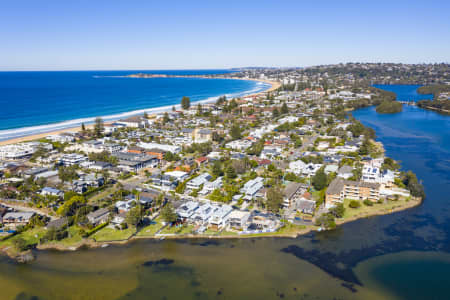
186, 210
168, 148
72, 159
57, 224
51, 192
202, 135
100, 165
202, 214
297, 167
292, 191
219, 217
345, 172
180, 176
99, 216
306, 206
14, 219
124, 206
201, 160
239, 145
238, 219
119, 219
133, 162
262, 222
210, 186
340, 189
198, 181
331, 169
251, 187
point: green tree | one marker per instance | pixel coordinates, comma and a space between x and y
284, 109
230, 172
185, 102
70, 208
20, 244
217, 168
275, 113
274, 199
319, 180
338, 210
354, 204
135, 215
98, 127
83, 128
168, 213
235, 131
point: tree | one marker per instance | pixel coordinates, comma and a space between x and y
98, 127
274, 199
83, 128
338, 210
168, 213
20, 244
275, 113
413, 185
319, 180
145, 115
326, 220
166, 118
67, 174
185, 102
235, 131
70, 208
230, 172
217, 168
354, 204
135, 215
284, 109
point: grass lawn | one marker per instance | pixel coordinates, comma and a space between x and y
111, 234
151, 229
228, 233
31, 237
385, 207
178, 230
73, 239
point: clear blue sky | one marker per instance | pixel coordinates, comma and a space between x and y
67, 35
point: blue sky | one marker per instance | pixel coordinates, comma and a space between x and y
83, 35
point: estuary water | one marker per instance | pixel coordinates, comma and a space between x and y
35, 102
399, 256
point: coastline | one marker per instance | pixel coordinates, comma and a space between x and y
274, 85
92, 244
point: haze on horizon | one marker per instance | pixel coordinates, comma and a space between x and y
102, 35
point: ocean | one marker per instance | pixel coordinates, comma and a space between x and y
36, 102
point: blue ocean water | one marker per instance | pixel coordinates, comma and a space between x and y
35, 102
405, 92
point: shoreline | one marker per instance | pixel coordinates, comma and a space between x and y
92, 244
274, 85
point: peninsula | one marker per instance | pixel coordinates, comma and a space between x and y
278, 163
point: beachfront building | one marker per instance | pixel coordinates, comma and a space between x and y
168, 148
340, 189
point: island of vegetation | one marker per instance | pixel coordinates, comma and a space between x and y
389, 107
279, 163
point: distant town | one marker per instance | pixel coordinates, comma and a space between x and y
278, 163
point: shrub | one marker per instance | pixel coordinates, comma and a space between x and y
367, 202
354, 204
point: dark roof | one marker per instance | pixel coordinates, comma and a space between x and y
57, 224
291, 189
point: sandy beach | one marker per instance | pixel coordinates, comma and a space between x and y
274, 85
